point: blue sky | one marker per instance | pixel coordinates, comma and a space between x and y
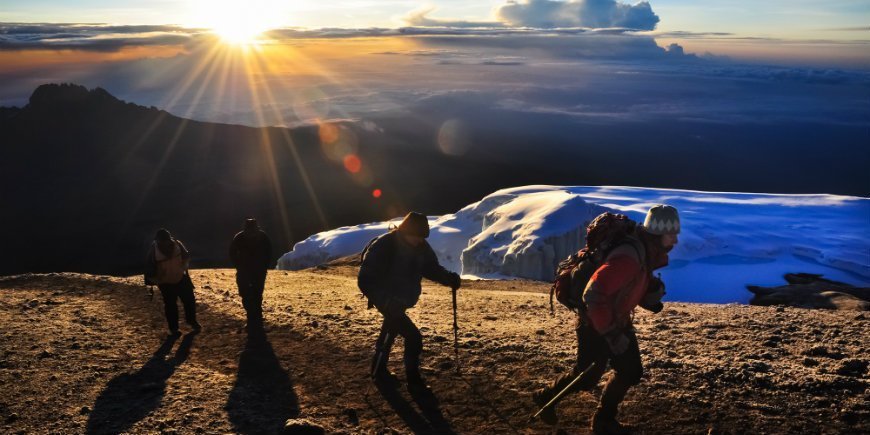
779, 18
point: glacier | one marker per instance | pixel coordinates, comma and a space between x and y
728, 239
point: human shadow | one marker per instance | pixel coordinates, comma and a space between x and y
130, 397
429, 420
262, 398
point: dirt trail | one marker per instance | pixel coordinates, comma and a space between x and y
81, 353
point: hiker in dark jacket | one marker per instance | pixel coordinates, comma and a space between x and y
605, 334
392, 268
251, 254
166, 266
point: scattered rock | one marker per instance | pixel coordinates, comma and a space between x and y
45, 354
12, 418
809, 362
852, 367
490, 318
301, 426
541, 332
85, 410
352, 416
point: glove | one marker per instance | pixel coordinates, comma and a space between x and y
617, 342
455, 281
652, 300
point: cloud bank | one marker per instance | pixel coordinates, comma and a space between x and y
89, 37
578, 13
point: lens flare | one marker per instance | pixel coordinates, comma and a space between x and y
377, 193
352, 163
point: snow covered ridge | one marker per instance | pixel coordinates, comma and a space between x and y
728, 240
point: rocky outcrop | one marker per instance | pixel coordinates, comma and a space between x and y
806, 290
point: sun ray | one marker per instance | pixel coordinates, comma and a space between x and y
266, 144
170, 147
297, 159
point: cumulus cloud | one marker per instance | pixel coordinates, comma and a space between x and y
578, 13
89, 37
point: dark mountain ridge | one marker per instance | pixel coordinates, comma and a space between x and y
86, 179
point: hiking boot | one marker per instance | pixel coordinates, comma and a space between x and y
174, 333
196, 326
607, 425
541, 398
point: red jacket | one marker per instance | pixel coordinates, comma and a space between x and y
616, 288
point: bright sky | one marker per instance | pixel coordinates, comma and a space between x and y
792, 19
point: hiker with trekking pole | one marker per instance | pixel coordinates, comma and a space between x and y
391, 270
603, 284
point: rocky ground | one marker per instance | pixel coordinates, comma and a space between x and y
82, 353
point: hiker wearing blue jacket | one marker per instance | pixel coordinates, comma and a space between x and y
393, 265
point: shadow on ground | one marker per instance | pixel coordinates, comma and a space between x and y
262, 398
128, 398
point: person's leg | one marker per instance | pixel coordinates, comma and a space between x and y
628, 371
258, 283
405, 327
243, 280
170, 307
383, 346
591, 361
188, 300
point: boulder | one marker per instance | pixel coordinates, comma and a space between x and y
301, 426
807, 290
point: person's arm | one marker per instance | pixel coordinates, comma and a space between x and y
433, 270
234, 251
185, 255
603, 288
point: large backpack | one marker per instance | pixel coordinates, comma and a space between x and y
366, 284
604, 234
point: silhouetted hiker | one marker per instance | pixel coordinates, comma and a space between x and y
251, 254
166, 265
392, 267
604, 328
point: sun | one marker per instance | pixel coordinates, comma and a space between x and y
239, 22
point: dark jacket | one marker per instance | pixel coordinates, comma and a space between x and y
391, 270
251, 251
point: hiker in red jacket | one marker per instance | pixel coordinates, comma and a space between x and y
604, 330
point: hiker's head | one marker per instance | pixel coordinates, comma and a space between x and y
163, 235
164, 240
251, 224
414, 228
663, 221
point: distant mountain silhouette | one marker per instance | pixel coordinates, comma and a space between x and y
86, 180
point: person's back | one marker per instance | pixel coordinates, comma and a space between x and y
251, 254
251, 249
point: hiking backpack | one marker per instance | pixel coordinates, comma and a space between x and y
605, 233
365, 283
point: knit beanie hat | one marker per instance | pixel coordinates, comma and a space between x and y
415, 224
662, 219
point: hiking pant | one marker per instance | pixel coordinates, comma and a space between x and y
593, 349
397, 322
251, 284
171, 293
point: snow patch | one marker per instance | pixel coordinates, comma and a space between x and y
728, 239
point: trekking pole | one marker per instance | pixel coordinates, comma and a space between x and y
455, 333
557, 397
